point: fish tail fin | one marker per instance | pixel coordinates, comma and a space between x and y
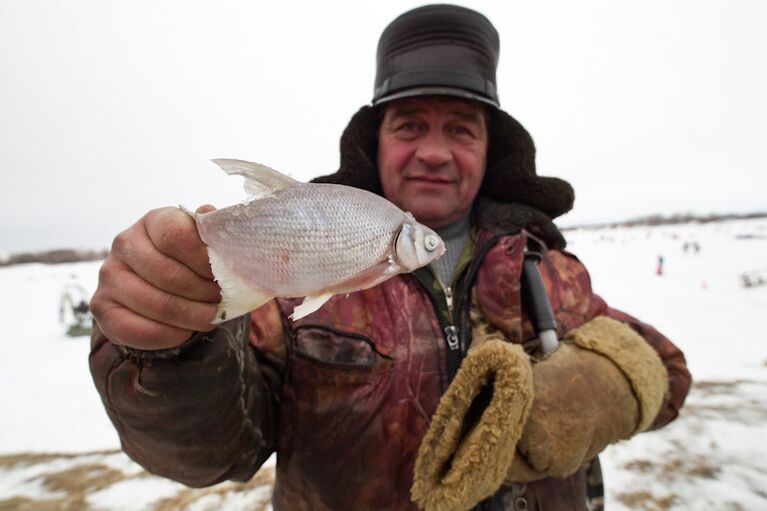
260, 180
237, 298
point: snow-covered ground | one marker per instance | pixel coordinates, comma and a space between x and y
59, 451
715, 455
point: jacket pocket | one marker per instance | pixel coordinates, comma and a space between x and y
335, 348
334, 405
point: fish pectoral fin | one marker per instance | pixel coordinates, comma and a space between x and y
373, 276
309, 305
260, 180
237, 298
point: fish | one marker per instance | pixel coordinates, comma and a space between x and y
291, 239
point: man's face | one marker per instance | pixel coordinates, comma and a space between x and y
431, 156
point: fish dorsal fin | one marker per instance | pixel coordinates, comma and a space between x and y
260, 180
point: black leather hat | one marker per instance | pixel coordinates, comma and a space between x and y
438, 50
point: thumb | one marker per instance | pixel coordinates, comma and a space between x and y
205, 208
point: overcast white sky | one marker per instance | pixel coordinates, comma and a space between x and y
110, 108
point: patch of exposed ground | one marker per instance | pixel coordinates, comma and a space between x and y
735, 401
670, 468
27, 504
34, 458
68, 489
181, 501
646, 501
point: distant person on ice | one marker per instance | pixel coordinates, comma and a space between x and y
360, 399
659, 266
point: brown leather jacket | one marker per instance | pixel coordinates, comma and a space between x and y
345, 395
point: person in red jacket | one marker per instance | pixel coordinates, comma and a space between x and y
430, 390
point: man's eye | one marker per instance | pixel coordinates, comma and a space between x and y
462, 131
408, 126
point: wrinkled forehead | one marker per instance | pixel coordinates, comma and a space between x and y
463, 108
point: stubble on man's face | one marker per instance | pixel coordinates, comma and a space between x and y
432, 154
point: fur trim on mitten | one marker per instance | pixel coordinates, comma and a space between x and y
471, 441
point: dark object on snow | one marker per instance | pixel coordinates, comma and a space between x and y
75, 312
753, 278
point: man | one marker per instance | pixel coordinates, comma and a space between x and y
349, 397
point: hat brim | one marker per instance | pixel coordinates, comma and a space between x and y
435, 91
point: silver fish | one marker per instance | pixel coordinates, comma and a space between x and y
291, 239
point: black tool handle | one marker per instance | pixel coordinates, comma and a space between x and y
536, 302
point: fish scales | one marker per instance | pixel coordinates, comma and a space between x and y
302, 238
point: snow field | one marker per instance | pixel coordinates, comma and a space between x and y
713, 457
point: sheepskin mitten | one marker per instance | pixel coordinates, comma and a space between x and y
603, 384
466, 453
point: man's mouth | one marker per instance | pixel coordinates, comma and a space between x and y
430, 180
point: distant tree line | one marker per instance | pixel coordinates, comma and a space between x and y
674, 219
54, 256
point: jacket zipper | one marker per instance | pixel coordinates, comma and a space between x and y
449, 298
444, 316
451, 336
454, 327
451, 331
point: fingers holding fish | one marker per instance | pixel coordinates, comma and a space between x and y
124, 327
120, 286
137, 251
142, 286
174, 233
151, 302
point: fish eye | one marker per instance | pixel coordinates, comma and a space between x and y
430, 242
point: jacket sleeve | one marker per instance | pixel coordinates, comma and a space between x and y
576, 297
199, 414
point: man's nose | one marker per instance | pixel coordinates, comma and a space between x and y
434, 149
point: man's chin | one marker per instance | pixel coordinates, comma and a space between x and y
433, 218
431, 209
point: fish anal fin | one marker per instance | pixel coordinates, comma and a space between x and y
237, 298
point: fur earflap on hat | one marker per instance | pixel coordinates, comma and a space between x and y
510, 177
359, 149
